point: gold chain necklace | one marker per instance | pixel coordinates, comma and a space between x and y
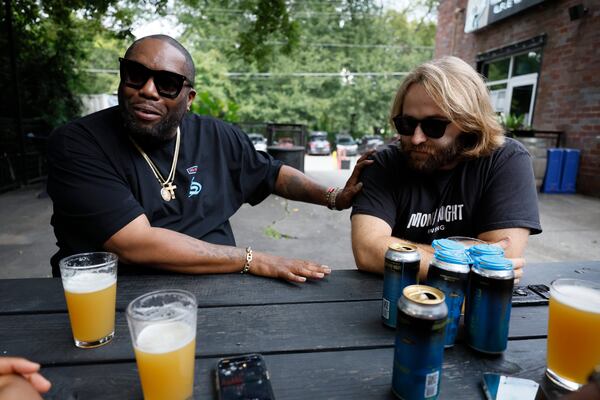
167, 190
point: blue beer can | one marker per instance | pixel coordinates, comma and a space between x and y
401, 268
447, 244
419, 347
484, 249
489, 301
449, 272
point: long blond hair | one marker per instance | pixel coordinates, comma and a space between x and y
459, 91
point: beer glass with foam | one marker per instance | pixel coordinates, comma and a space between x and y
573, 332
90, 284
163, 332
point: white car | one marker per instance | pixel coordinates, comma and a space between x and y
259, 141
345, 143
318, 144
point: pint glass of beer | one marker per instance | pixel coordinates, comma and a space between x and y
90, 284
163, 332
573, 332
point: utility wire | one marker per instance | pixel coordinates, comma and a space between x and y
343, 45
276, 74
293, 14
311, 74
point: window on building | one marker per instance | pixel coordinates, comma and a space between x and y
527, 63
512, 82
497, 70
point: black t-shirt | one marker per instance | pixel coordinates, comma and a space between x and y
99, 182
478, 195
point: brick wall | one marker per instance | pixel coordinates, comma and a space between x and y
568, 93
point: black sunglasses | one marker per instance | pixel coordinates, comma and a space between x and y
168, 84
432, 127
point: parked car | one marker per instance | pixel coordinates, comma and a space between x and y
345, 143
318, 143
259, 141
370, 143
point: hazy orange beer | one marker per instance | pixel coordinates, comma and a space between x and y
573, 332
90, 285
163, 331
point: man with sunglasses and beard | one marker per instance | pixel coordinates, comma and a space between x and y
452, 173
157, 185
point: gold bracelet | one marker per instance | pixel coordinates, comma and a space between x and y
330, 197
248, 260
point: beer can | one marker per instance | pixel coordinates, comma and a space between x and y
489, 300
449, 272
419, 346
447, 244
401, 268
484, 249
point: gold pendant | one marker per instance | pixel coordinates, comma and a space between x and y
168, 191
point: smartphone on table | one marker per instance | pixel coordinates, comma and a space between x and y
243, 378
501, 387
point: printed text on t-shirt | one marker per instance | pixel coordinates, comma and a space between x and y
448, 213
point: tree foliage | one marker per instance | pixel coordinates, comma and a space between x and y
272, 22
326, 64
355, 41
54, 40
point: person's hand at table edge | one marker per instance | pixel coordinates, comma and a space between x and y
288, 269
518, 262
20, 379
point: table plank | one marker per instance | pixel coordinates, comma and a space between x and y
223, 331
350, 374
46, 294
545, 273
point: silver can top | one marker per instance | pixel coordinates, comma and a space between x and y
423, 294
423, 302
402, 252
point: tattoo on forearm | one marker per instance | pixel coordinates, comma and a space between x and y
299, 188
215, 253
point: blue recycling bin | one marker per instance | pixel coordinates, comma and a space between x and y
570, 167
553, 171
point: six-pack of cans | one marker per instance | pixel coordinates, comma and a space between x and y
475, 278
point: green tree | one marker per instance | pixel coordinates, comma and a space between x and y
355, 36
52, 41
61, 46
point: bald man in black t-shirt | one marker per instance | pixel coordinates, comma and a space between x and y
157, 185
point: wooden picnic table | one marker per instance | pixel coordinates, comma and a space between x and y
321, 340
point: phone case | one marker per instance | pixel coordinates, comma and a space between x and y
243, 377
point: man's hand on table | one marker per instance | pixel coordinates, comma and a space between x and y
20, 379
288, 269
518, 263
